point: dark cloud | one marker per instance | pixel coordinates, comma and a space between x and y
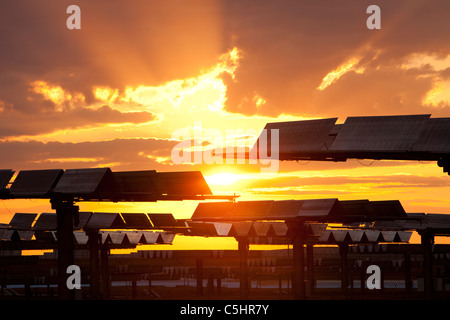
121, 154
14, 123
289, 46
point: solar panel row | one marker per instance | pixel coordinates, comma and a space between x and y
47, 221
102, 183
131, 238
329, 209
413, 137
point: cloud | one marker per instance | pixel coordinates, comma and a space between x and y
14, 123
120, 154
290, 48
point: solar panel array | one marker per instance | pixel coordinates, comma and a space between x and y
406, 137
25, 226
312, 209
101, 184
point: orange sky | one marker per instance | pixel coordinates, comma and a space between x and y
117, 92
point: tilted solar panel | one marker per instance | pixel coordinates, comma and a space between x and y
35, 182
22, 220
5, 177
84, 181
382, 133
435, 137
297, 136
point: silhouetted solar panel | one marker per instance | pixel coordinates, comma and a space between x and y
80, 237
149, 237
435, 137
307, 135
115, 237
356, 208
165, 238
388, 209
383, 133
204, 229
252, 210
161, 220
320, 208
5, 177
26, 235
137, 220
261, 228
284, 209
135, 181
105, 220
182, 183
22, 220
278, 229
35, 182
46, 221
242, 229
83, 218
213, 210
84, 181
363, 236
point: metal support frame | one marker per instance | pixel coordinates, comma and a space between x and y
427, 241
243, 248
299, 264
66, 212
343, 251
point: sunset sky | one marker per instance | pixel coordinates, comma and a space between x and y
113, 93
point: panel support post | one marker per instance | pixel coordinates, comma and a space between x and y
310, 268
343, 251
199, 267
243, 247
66, 212
104, 255
427, 240
94, 262
299, 264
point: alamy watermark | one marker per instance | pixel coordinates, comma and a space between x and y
74, 280
374, 280
233, 147
73, 22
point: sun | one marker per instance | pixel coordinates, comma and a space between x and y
223, 178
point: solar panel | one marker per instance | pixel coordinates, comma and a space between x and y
22, 220
135, 181
182, 183
84, 181
149, 237
165, 238
435, 137
242, 229
213, 210
357, 208
204, 229
105, 220
161, 220
284, 209
252, 210
261, 228
319, 208
307, 135
383, 133
388, 209
35, 182
83, 218
80, 237
46, 221
5, 177
278, 229
137, 220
